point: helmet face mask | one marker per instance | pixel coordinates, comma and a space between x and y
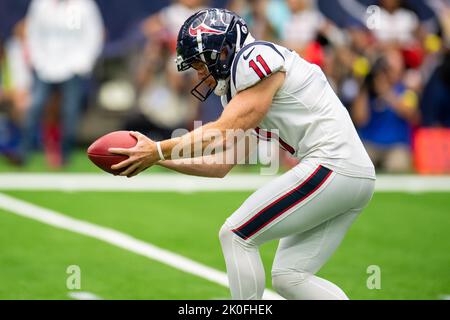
209, 61
202, 90
203, 38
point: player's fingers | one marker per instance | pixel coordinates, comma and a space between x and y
130, 169
138, 135
135, 172
122, 165
121, 151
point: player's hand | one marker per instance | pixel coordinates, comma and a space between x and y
142, 156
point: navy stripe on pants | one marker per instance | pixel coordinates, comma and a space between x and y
284, 203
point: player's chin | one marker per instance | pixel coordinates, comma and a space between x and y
211, 84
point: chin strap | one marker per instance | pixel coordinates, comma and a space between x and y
222, 87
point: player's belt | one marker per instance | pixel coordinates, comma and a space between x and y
284, 203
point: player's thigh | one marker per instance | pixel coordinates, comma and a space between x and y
338, 195
265, 196
307, 252
301, 199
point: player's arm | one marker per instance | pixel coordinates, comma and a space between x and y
245, 111
214, 170
212, 166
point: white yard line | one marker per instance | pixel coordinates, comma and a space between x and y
181, 183
83, 295
117, 239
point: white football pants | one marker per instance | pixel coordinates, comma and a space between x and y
310, 208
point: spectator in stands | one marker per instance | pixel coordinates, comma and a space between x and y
312, 35
5, 105
384, 112
353, 61
4, 74
16, 84
303, 26
435, 101
20, 72
396, 25
65, 39
257, 16
442, 9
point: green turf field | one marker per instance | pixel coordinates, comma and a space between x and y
406, 235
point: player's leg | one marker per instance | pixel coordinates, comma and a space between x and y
258, 213
300, 200
300, 256
244, 265
245, 270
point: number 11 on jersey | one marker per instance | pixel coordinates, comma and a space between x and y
252, 64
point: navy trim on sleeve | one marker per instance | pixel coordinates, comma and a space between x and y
236, 59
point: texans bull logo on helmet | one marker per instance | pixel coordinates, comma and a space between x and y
200, 25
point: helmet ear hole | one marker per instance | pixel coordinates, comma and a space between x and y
225, 60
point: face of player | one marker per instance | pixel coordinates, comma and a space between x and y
202, 73
202, 70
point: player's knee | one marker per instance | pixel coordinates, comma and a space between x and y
283, 282
226, 235
230, 239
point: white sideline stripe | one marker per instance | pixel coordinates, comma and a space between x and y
83, 295
118, 239
181, 183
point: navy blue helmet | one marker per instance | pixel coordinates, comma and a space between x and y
203, 37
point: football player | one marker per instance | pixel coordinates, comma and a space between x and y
264, 86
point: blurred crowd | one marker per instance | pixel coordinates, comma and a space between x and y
389, 64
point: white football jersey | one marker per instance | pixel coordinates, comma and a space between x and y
311, 121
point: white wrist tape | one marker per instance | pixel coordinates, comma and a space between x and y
161, 155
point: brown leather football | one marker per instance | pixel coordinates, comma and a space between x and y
98, 150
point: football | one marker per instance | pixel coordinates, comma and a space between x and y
98, 150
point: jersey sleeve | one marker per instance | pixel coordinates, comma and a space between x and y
254, 63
